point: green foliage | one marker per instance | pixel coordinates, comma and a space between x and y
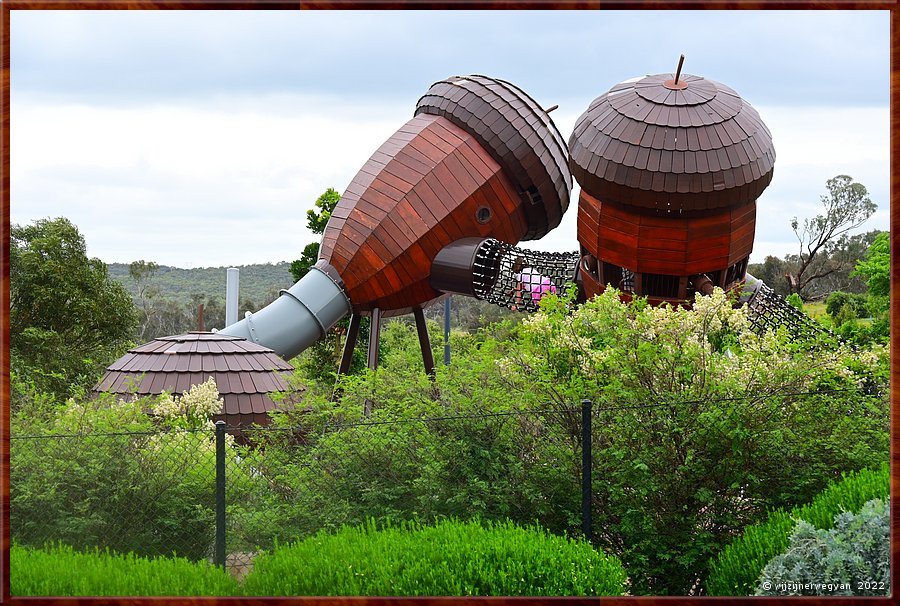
105, 474
447, 559
316, 221
737, 568
68, 319
308, 258
418, 455
837, 301
701, 425
62, 571
875, 269
795, 300
853, 558
876, 266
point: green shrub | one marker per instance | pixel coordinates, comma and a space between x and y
102, 474
736, 569
795, 300
449, 558
62, 571
849, 305
853, 558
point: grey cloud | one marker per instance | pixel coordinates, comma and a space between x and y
829, 57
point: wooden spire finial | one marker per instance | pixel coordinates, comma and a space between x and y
678, 71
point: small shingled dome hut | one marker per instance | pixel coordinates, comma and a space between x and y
670, 168
245, 373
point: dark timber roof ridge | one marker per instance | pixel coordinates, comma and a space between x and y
644, 144
520, 136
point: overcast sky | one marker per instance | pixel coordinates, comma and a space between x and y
201, 138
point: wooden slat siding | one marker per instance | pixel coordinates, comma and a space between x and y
649, 243
514, 129
386, 242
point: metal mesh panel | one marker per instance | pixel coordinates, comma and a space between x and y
518, 278
768, 310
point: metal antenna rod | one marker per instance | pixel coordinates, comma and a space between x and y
550, 109
678, 71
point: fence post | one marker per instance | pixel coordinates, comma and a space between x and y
220, 494
586, 464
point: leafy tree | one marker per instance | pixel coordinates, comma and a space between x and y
846, 207
142, 273
132, 476
701, 425
316, 222
875, 268
68, 319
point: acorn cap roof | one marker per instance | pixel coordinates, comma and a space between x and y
654, 143
518, 134
245, 373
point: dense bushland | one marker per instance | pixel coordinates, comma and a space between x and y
700, 428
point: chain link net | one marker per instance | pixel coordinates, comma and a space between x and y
767, 310
517, 278
154, 494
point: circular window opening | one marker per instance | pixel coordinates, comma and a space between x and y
483, 214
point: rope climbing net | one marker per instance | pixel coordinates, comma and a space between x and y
518, 278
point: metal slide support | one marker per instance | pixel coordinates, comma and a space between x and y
424, 341
220, 495
350, 344
374, 338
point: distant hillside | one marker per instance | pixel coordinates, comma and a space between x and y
257, 282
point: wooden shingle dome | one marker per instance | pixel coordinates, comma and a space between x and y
692, 146
245, 373
670, 168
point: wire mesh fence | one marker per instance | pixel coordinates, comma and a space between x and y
225, 495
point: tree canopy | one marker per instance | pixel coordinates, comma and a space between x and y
68, 318
316, 220
846, 207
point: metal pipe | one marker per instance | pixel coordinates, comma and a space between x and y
298, 318
232, 291
447, 331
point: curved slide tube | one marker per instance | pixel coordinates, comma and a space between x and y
298, 318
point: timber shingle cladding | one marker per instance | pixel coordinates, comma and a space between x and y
479, 159
518, 133
643, 144
669, 173
245, 373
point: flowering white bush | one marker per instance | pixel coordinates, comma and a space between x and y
194, 408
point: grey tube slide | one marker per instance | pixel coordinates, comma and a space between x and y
298, 318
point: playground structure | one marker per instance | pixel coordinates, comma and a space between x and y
670, 168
